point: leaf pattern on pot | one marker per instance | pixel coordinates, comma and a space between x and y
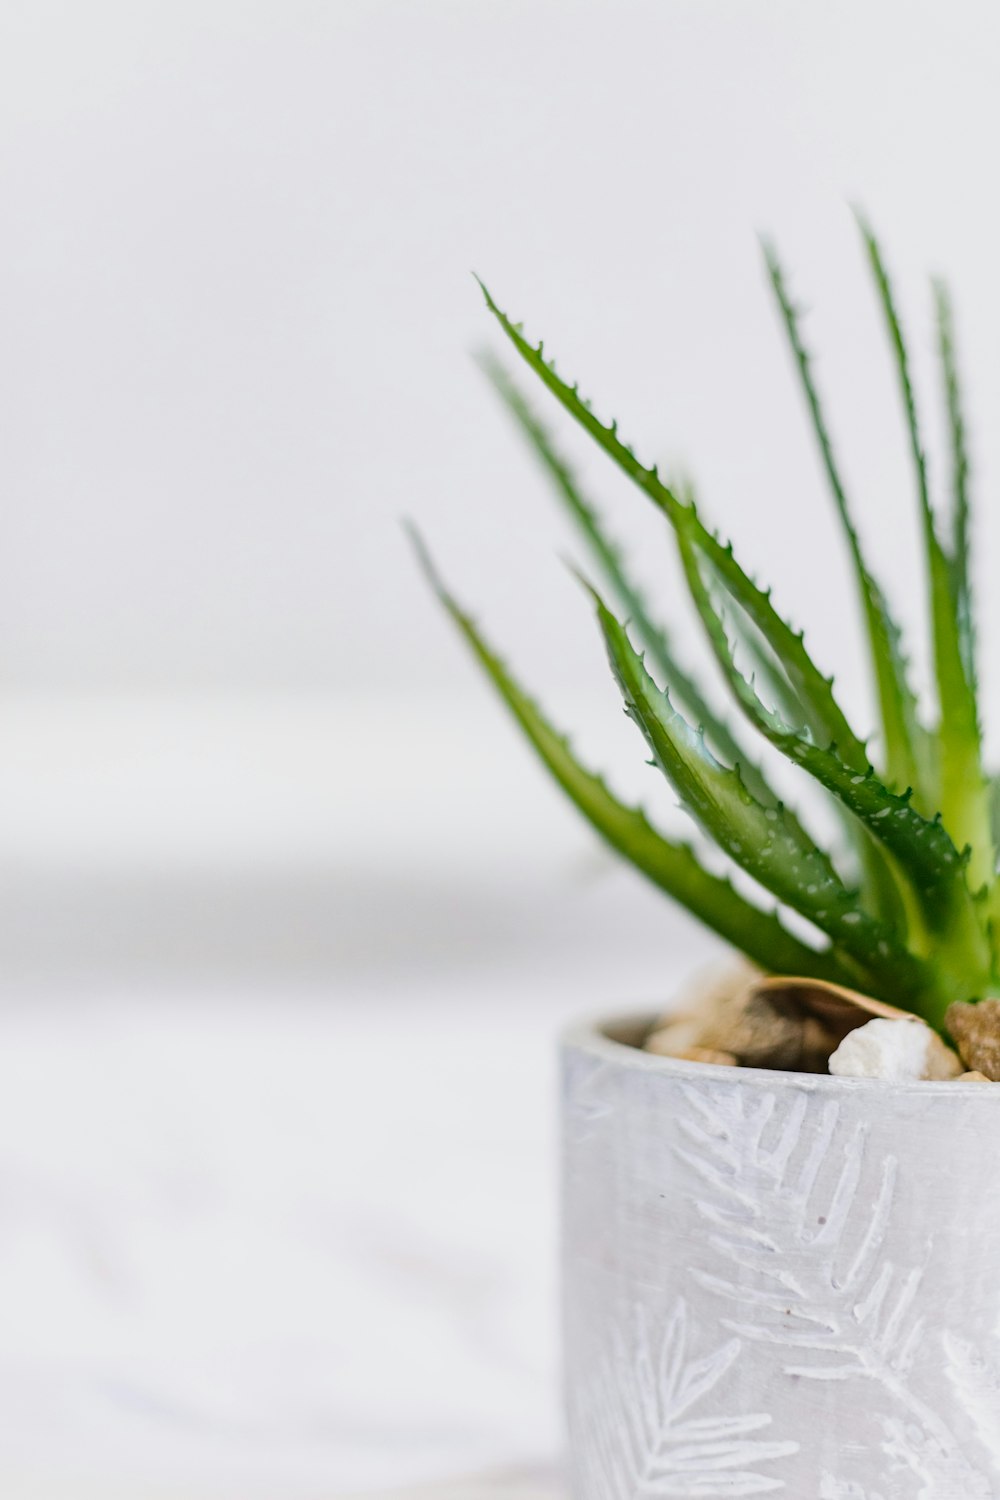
806, 1263
592, 1106
976, 1383
640, 1434
832, 1488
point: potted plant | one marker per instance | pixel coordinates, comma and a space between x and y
781, 1228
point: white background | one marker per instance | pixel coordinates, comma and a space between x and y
289, 919
237, 310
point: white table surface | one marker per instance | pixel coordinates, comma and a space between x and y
277, 1124
539, 1485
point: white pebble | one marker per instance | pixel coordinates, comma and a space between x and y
895, 1051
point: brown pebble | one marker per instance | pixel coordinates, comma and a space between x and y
976, 1030
674, 1041
675, 1038
709, 1055
942, 1062
732, 1015
839, 1009
972, 1078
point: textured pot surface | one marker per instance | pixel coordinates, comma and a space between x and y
776, 1281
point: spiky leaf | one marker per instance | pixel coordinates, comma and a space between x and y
923, 844
959, 556
963, 793
758, 838
672, 866
922, 851
822, 712
908, 762
609, 557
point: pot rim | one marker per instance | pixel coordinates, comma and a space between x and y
594, 1037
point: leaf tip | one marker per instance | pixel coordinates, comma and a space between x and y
486, 293
425, 561
862, 220
577, 572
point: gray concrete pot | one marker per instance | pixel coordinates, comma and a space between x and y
775, 1281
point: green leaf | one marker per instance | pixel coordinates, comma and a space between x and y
823, 715
671, 866
905, 738
963, 793
608, 555
796, 682
959, 559
922, 850
772, 851
887, 896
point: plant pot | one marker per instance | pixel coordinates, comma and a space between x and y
777, 1281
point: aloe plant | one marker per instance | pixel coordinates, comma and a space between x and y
905, 905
